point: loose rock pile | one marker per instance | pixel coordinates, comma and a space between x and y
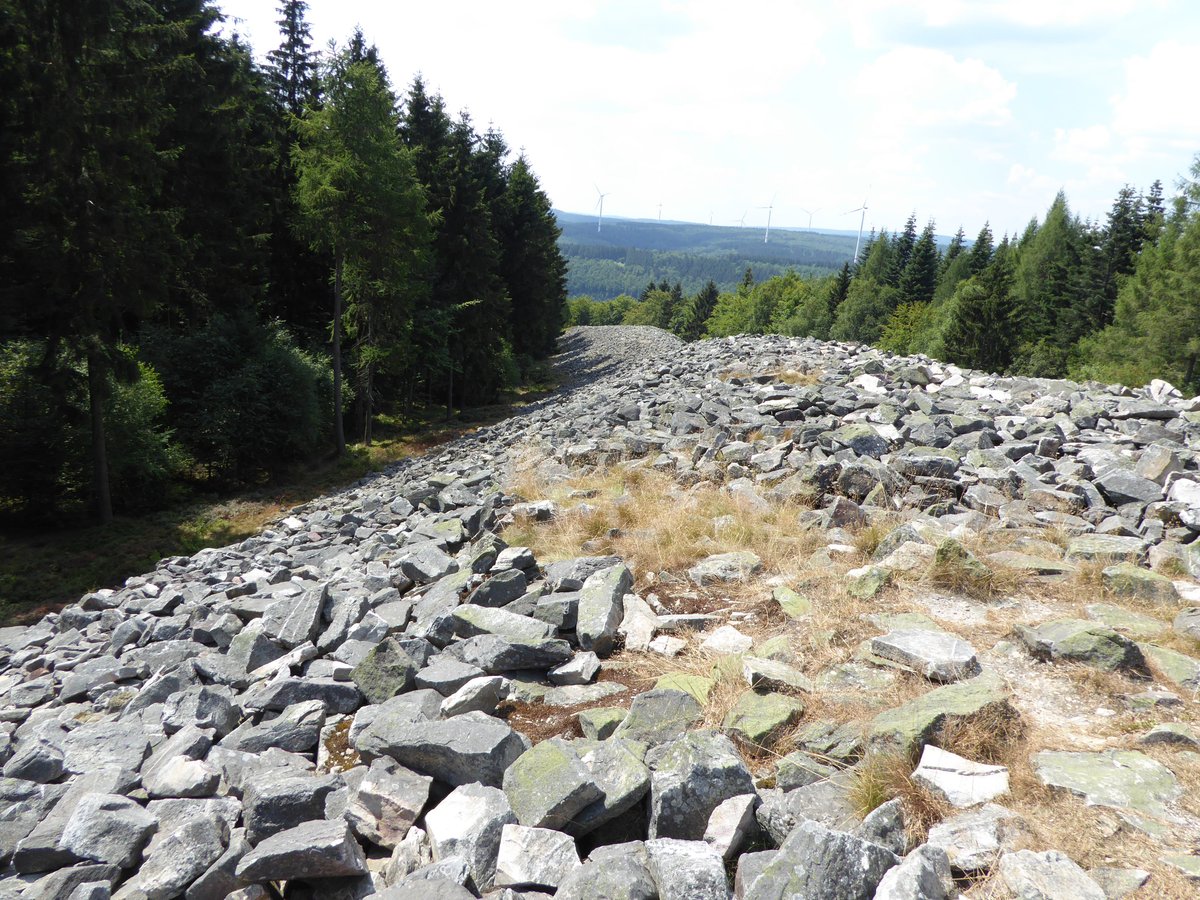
324, 710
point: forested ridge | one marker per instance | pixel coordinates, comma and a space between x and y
1115, 300
211, 268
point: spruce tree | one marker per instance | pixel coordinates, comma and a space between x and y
981, 251
980, 330
901, 252
919, 279
292, 66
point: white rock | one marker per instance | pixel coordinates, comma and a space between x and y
535, 857
727, 639
667, 645
962, 782
730, 824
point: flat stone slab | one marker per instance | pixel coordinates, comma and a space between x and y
468, 748
974, 839
761, 719
1118, 618
1176, 667
727, 639
937, 655
960, 781
659, 715
1027, 562
1106, 548
1122, 779
1128, 580
1050, 874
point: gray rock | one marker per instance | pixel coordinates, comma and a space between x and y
204, 706
178, 860
385, 672
659, 715
937, 655
570, 574
731, 825
817, 862
885, 826
470, 823
620, 872
601, 608
297, 730
481, 694
446, 675
494, 655
312, 850
691, 777
220, 880
726, 568
548, 785
295, 620
387, 802
1046, 876
278, 803
469, 748
473, 620
502, 588
973, 840
687, 870
959, 781
582, 668
108, 828
1078, 640
922, 875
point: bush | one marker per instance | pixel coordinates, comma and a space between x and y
45, 436
245, 400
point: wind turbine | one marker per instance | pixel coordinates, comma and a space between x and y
660, 212
770, 206
810, 214
741, 223
861, 221
600, 207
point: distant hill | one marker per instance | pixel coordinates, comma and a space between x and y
626, 254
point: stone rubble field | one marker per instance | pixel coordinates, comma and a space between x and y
946, 643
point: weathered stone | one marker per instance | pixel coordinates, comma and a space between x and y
534, 858
1046, 876
686, 870
922, 875
1077, 640
793, 604
108, 828
727, 639
689, 778
622, 873
937, 655
1122, 779
272, 804
910, 726
386, 671
600, 722
317, 849
473, 747
470, 823
472, 620
617, 766
731, 825
177, 860
387, 802
1125, 621
1106, 548
601, 609
297, 729
1176, 667
659, 715
817, 862
503, 587
771, 675
973, 840
1128, 580
295, 620
725, 568
494, 655
548, 785
760, 719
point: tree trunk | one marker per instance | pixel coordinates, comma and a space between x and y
450, 393
339, 433
368, 405
95, 375
1191, 371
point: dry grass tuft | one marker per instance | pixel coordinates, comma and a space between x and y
882, 777
655, 525
995, 735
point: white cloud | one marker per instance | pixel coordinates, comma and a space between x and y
1155, 102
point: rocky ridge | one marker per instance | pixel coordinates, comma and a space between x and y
325, 710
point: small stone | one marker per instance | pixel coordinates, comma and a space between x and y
760, 719
1078, 640
727, 639
973, 840
686, 870
387, 802
601, 608
659, 715
726, 568
1128, 580
795, 606
600, 722
731, 825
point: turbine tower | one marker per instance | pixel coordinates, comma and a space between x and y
660, 212
810, 214
861, 221
599, 208
770, 206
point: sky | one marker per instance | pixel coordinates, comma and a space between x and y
961, 111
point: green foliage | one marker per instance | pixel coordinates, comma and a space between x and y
245, 399
980, 328
907, 328
861, 316
45, 443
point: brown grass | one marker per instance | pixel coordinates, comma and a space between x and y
882, 777
655, 525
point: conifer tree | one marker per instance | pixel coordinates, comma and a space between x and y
981, 251
919, 279
901, 251
292, 66
980, 329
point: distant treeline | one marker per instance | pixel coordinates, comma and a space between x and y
203, 260
1117, 300
625, 254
